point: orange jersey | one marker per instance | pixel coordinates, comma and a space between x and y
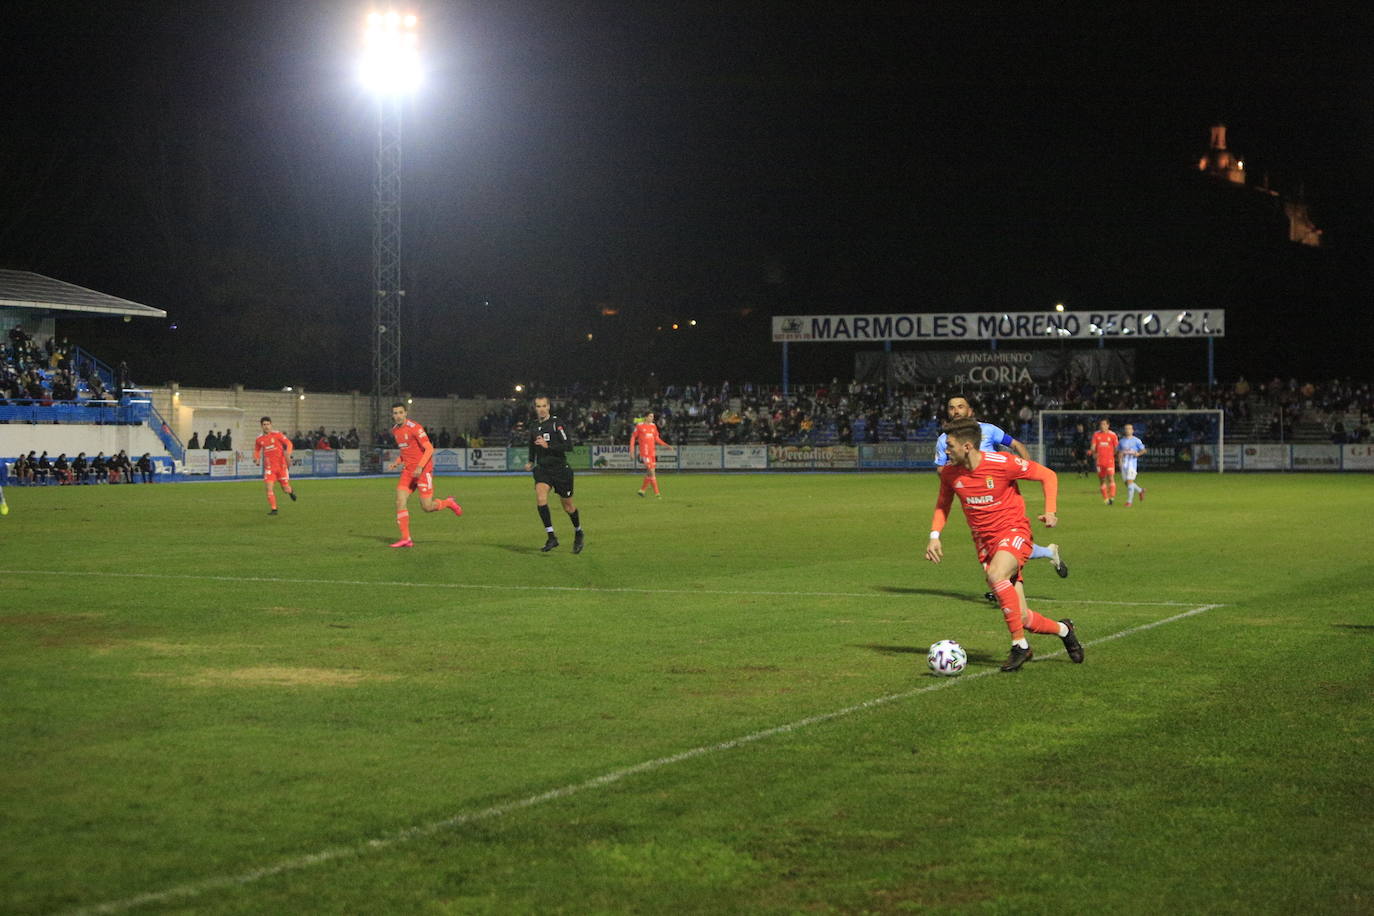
646, 438
1104, 447
413, 442
274, 448
989, 495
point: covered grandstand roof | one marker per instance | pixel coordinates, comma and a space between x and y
24, 289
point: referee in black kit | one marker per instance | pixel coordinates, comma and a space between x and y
549, 447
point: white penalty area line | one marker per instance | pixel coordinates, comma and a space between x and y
409, 834
467, 586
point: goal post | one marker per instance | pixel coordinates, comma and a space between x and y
1175, 440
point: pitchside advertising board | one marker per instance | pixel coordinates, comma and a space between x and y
978, 326
882, 456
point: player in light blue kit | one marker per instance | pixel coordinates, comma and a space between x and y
958, 408
1130, 448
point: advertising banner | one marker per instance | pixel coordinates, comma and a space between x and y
699, 458
1264, 457
449, 460
1359, 457
809, 456
223, 464
956, 326
896, 455
488, 459
838, 457
326, 462
197, 462
350, 461
612, 458
742, 457
994, 368
1316, 457
302, 463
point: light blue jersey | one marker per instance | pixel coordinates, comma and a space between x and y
1130, 444
992, 437
1128, 462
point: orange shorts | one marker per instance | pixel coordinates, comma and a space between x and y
1106, 470
650, 461
422, 482
1016, 541
282, 474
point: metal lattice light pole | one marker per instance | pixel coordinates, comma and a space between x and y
390, 70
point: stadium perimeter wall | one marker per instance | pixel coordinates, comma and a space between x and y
73, 438
237, 409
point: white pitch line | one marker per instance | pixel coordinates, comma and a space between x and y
275, 580
196, 888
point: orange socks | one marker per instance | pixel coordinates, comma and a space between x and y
1039, 623
1112, 489
272, 498
655, 486
1011, 608
403, 521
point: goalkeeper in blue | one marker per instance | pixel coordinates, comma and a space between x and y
959, 408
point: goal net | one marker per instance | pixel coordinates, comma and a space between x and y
1175, 440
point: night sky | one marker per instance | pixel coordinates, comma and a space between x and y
722, 162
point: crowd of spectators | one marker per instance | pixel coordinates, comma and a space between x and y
51, 372
856, 412
36, 469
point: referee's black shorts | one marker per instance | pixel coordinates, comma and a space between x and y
560, 480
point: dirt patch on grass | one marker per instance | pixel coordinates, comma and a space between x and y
281, 677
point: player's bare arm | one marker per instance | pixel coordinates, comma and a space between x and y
1020, 449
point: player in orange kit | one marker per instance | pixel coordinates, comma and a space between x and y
1104, 446
417, 459
275, 451
643, 443
985, 483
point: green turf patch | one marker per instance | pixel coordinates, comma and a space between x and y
212, 709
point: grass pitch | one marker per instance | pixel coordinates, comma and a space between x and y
722, 706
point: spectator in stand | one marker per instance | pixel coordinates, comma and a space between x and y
145, 468
351, 440
121, 468
81, 468
43, 470
194, 441
226, 441
100, 468
27, 469
62, 470
212, 440
322, 442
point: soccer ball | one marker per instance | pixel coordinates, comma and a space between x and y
947, 658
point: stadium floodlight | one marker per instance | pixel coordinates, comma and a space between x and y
390, 69
391, 54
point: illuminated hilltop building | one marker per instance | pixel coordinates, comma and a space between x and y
1222, 164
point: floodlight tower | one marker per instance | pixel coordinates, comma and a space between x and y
391, 71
